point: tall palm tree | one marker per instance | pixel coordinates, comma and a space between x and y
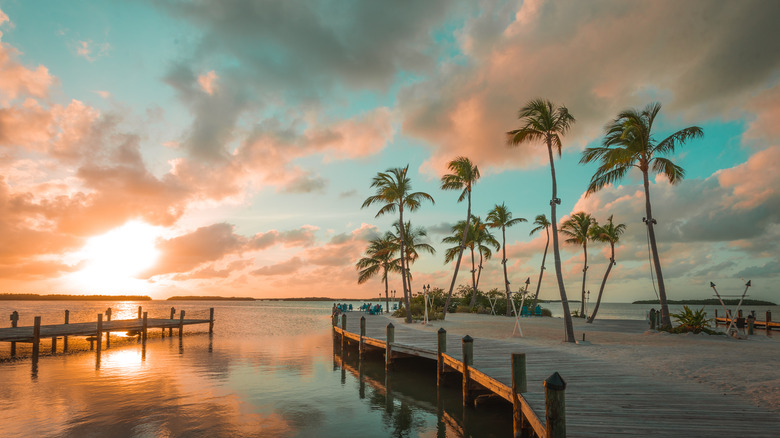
609, 233
577, 232
413, 246
379, 258
394, 190
463, 177
542, 121
541, 223
501, 217
629, 143
482, 241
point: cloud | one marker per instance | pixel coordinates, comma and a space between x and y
697, 65
284, 268
16, 80
91, 51
306, 183
208, 82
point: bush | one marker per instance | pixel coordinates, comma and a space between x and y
546, 312
691, 321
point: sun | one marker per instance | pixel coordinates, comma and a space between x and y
112, 260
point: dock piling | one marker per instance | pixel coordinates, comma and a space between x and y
388, 347
441, 348
343, 327
170, 329
519, 385
750, 320
108, 334
53, 345
65, 338
14, 319
211, 320
99, 333
362, 346
468, 360
139, 312
555, 406
181, 324
768, 320
143, 330
36, 339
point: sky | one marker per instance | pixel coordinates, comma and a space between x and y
225, 148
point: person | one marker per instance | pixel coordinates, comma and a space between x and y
652, 318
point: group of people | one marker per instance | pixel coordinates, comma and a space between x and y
371, 309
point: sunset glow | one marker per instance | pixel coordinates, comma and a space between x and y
228, 148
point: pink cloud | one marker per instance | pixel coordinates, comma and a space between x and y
208, 82
17, 80
752, 183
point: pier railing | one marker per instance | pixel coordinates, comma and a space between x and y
474, 381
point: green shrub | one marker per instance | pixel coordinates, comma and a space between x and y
691, 321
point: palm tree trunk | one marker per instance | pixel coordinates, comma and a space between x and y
567, 322
584, 274
506, 277
541, 271
666, 321
387, 292
460, 255
473, 281
403, 264
479, 269
603, 283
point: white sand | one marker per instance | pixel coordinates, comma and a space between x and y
744, 368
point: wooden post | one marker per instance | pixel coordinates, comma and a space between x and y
143, 330
36, 339
139, 312
65, 338
768, 320
519, 385
468, 360
181, 324
99, 334
343, 328
170, 329
440, 350
108, 334
362, 334
388, 348
14, 319
739, 313
555, 405
716, 317
211, 320
53, 345
750, 320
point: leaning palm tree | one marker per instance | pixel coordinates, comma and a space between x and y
413, 246
629, 143
541, 223
609, 233
379, 258
577, 232
501, 217
463, 177
394, 190
541, 121
462, 231
482, 241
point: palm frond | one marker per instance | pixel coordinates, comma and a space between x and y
672, 171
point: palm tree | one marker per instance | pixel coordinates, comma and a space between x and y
609, 233
464, 175
482, 237
541, 223
413, 246
501, 217
379, 257
394, 190
541, 121
475, 239
629, 143
577, 231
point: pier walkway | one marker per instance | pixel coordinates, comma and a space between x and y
602, 398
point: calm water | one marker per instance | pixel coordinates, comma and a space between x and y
270, 369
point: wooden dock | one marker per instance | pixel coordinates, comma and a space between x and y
602, 398
94, 331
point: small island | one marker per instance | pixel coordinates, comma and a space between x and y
37, 297
207, 298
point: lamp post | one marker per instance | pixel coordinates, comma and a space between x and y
426, 289
587, 302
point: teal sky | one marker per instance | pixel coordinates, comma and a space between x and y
238, 139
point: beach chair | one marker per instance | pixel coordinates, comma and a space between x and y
524, 311
538, 310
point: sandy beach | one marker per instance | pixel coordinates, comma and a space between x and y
746, 369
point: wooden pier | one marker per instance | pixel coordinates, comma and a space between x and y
93, 331
556, 392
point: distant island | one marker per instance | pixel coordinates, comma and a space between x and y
712, 302
207, 298
37, 297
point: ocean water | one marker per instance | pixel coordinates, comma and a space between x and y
270, 369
